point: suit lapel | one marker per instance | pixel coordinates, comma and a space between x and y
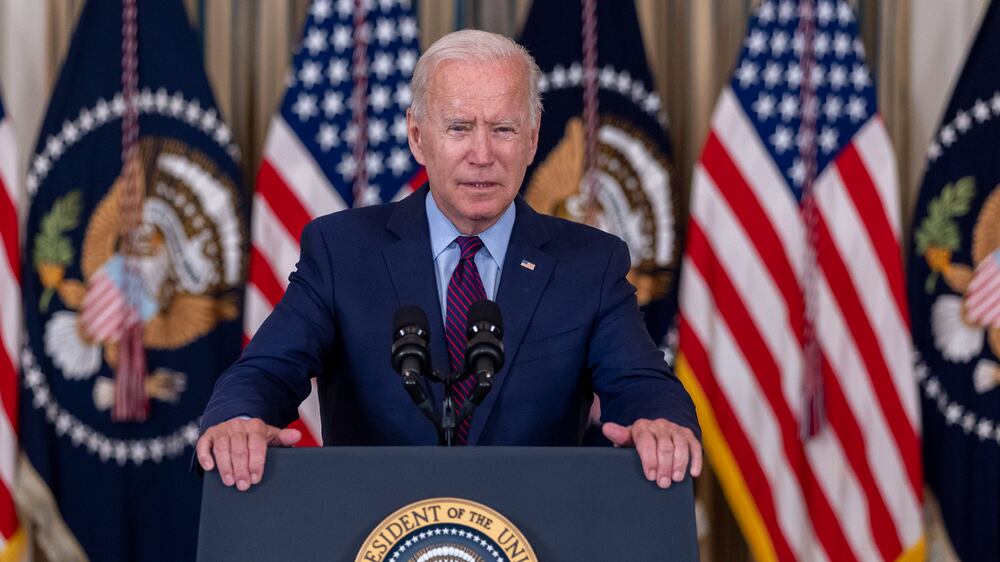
412, 272
520, 289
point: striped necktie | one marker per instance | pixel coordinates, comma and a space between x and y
465, 288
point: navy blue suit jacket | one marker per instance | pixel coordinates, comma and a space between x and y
571, 327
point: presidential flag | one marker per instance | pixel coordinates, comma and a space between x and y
955, 303
337, 141
603, 153
12, 538
793, 317
136, 243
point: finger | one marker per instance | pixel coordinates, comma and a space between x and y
257, 453
220, 448
204, 452
619, 435
286, 437
696, 455
681, 453
241, 459
664, 457
645, 445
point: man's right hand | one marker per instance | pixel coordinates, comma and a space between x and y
239, 447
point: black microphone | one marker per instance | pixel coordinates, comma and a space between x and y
409, 349
484, 350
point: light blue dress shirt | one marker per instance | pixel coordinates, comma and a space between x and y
446, 254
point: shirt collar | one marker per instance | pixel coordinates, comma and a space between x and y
496, 238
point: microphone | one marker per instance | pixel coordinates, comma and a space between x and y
484, 350
409, 349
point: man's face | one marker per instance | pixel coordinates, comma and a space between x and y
476, 139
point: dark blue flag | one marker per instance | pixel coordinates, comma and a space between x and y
633, 195
175, 278
955, 303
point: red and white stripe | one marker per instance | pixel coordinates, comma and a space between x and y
291, 191
982, 305
853, 492
11, 201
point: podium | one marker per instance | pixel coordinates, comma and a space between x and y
510, 504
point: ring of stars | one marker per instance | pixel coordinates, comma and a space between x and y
122, 451
104, 111
608, 79
414, 541
953, 412
964, 121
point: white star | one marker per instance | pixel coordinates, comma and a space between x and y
833, 107
337, 71
384, 32
382, 65
825, 13
789, 107
54, 146
837, 77
310, 73
176, 104
764, 107
347, 166
781, 139
377, 132
222, 134
373, 163
327, 137
779, 43
341, 38
821, 45
321, 10
797, 172
841, 45
816, 75
408, 29
121, 452
558, 77
860, 77
968, 422
399, 161
403, 96
794, 75
102, 112
857, 109
156, 449
574, 74
933, 388
385, 5
652, 103
756, 42
984, 429
193, 112
747, 74
772, 74
380, 98
138, 452
786, 11
333, 104
828, 139
118, 104
63, 423
315, 41
844, 13
607, 77
980, 111
766, 13
304, 106
70, 133
78, 433
209, 120
954, 411
398, 129
345, 8
405, 61
947, 135
963, 121
624, 82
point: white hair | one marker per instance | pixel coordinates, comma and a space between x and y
475, 46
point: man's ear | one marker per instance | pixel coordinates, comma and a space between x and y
413, 137
534, 138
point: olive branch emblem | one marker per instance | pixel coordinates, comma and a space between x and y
938, 235
53, 250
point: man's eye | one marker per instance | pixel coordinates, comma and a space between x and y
458, 128
506, 130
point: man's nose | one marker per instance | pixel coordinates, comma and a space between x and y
481, 149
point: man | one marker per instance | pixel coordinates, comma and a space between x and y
572, 326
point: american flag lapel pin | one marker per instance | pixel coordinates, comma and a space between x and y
527, 265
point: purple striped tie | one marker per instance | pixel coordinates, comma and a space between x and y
465, 288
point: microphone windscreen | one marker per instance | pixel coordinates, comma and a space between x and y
484, 311
409, 315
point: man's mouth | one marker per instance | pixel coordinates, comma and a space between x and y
478, 184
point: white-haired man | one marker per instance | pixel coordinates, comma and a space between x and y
572, 325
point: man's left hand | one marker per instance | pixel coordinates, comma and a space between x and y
663, 446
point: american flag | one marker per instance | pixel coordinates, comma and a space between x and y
792, 295
321, 155
12, 540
